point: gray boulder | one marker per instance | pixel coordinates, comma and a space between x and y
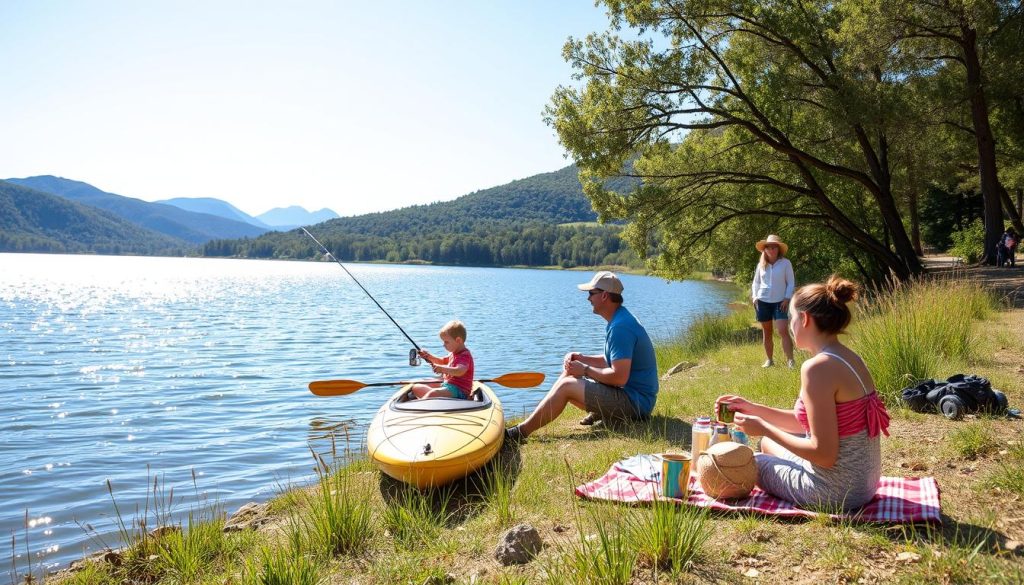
518, 545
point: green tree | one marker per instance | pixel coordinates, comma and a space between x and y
742, 114
963, 37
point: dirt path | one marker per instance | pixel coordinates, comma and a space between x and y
1008, 283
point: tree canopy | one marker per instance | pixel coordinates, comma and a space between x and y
814, 119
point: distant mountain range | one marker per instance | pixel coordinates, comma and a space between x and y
279, 218
289, 218
192, 227
216, 207
543, 220
34, 221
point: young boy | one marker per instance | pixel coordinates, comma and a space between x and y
456, 369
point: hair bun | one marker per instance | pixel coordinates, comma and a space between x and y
840, 290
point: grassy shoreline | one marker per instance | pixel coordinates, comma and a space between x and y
352, 526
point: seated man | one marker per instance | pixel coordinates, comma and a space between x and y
621, 384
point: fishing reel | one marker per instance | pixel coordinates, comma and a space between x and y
414, 357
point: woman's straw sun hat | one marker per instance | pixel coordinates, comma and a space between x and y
772, 239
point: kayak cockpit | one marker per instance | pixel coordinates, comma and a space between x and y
478, 401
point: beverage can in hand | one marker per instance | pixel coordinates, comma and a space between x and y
724, 414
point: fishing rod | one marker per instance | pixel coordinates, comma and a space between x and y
413, 354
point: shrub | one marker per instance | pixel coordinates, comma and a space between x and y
969, 243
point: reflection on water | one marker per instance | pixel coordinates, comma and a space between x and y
332, 432
113, 368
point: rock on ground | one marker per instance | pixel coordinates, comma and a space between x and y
518, 545
250, 515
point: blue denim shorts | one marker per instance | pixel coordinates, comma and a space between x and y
770, 312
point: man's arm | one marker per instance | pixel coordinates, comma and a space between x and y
615, 375
594, 361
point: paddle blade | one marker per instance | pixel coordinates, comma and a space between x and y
335, 387
519, 379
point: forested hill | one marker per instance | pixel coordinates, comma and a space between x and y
549, 198
520, 223
166, 219
34, 221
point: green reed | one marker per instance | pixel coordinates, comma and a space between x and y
417, 518
605, 556
669, 535
282, 566
186, 554
498, 483
913, 330
339, 518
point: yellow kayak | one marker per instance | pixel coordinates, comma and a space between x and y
434, 441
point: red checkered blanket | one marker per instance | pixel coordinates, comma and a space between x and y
899, 499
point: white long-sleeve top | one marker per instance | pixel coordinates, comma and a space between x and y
773, 282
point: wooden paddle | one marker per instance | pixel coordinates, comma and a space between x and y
342, 387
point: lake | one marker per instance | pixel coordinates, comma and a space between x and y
129, 368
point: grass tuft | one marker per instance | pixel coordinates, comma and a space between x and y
281, 566
973, 440
668, 535
603, 557
184, 555
415, 519
913, 331
339, 519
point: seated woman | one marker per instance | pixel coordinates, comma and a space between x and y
826, 451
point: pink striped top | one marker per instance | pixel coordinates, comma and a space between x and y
867, 412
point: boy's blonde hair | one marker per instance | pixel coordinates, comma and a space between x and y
455, 329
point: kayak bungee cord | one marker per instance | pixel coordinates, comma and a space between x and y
413, 354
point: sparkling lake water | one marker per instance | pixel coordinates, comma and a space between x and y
128, 368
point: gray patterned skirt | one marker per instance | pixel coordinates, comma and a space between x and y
848, 485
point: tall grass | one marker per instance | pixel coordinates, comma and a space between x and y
604, 557
706, 334
184, 556
281, 566
340, 516
498, 484
415, 519
911, 331
668, 535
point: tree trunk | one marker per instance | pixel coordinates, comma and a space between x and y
990, 187
915, 219
1013, 212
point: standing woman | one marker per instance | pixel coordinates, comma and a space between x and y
770, 293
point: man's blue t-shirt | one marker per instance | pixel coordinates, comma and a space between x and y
625, 338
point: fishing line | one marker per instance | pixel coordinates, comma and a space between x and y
328, 253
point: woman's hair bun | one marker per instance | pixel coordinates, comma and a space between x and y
841, 290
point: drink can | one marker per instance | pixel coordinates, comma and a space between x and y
675, 475
723, 414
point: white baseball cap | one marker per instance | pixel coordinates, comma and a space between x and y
604, 280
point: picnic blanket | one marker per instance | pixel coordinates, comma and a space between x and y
898, 499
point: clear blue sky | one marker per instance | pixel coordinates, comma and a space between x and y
357, 106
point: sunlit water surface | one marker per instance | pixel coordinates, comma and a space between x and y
128, 368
